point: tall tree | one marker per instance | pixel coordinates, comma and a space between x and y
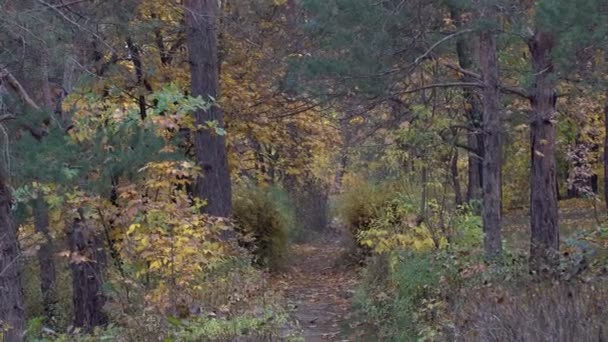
11, 294
45, 256
606, 148
464, 51
87, 265
544, 239
491, 133
210, 148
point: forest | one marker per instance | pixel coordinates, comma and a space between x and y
303, 170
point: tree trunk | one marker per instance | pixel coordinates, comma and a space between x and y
422, 212
473, 112
45, 258
141, 78
46, 85
492, 140
606, 149
455, 178
544, 243
214, 185
87, 265
11, 293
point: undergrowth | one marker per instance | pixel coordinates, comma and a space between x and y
264, 219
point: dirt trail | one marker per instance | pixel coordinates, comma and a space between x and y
319, 290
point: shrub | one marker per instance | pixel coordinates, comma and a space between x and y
543, 311
360, 205
402, 295
264, 223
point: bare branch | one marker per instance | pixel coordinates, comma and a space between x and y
439, 42
7, 117
443, 85
6, 76
71, 21
75, 2
505, 89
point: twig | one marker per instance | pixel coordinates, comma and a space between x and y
6, 76
69, 20
439, 42
7, 117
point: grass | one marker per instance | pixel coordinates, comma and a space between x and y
575, 216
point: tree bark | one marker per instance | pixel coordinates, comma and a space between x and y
492, 140
544, 243
473, 112
141, 78
87, 265
423, 196
606, 149
46, 260
11, 294
210, 148
455, 178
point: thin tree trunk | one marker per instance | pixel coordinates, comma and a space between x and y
473, 112
492, 140
606, 149
141, 79
87, 264
544, 244
11, 294
455, 178
341, 170
423, 196
46, 85
45, 258
210, 148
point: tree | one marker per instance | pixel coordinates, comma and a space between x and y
87, 262
474, 112
210, 150
491, 134
46, 256
11, 294
606, 148
560, 29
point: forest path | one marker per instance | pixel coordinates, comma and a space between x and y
319, 286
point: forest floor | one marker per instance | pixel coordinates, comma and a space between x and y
318, 286
320, 280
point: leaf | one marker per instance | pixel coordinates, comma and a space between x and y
176, 322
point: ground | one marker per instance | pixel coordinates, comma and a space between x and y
318, 286
319, 281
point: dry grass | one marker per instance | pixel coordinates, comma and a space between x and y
543, 311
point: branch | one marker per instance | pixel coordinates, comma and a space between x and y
77, 25
444, 85
6, 76
514, 91
505, 89
469, 149
69, 3
461, 70
7, 117
441, 41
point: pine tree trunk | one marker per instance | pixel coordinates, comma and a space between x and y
45, 258
210, 149
473, 112
544, 243
606, 149
11, 294
87, 265
492, 141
